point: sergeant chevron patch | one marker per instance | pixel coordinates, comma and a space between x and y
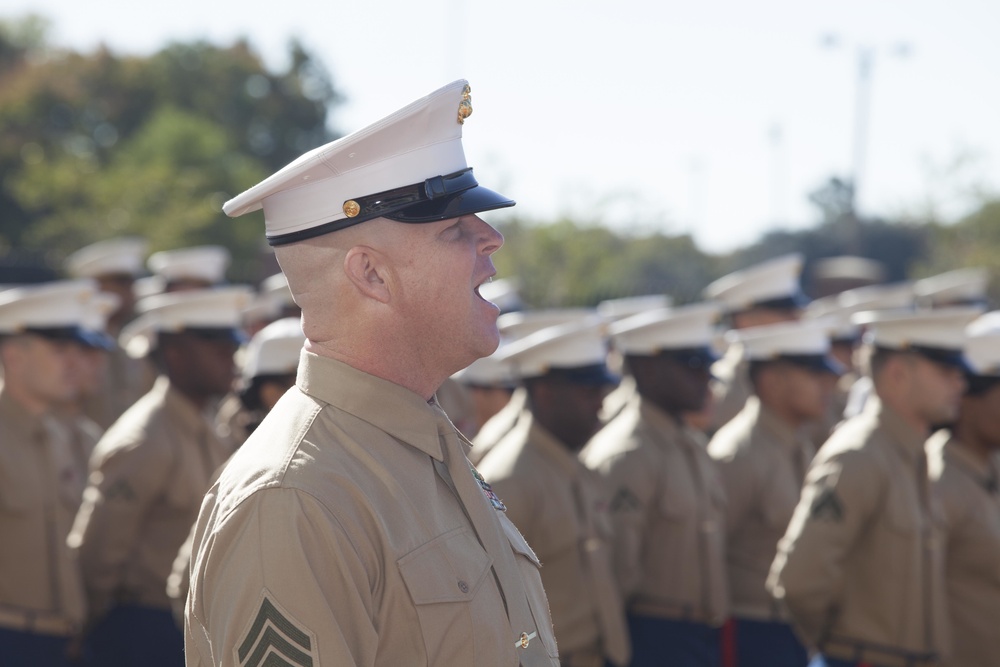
275, 639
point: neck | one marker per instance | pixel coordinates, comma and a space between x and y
788, 417
907, 413
30, 403
970, 441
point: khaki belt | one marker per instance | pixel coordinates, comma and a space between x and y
39, 622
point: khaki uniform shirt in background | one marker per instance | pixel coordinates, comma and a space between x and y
667, 505
148, 476
335, 535
731, 387
40, 488
970, 502
561, 509
498, 426
125, 382
860, 566
763, 463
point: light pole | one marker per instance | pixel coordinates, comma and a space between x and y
862, 107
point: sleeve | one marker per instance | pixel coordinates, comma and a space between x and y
121, 487
630, 482
839, 498
280, 576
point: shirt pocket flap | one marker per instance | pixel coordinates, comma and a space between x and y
449, 568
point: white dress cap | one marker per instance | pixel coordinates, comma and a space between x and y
682, 328
276, 288
888, 296
410, 166
487, 371
982, 344
95, 317
576, 345
273, 298
214, 308
774, 283
275, 349
771, 341
619, 309
942, 329
806, 343
962, 286
114, 256
58, 309
206, 263
516, 325
62, 304
504, 293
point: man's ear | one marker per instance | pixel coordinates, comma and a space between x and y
367, 270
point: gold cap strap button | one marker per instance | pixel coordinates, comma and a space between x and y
351, 208
525, 639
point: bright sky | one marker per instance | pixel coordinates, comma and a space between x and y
714, 117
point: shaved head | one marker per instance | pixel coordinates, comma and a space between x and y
399, 301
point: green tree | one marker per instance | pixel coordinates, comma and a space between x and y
99, 144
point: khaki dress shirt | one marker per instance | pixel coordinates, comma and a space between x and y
125, 382
40, 488
335, 536
970, 501
731, 387
148, 476
667, 505
860, 565
763, 463
498, 426
561, 509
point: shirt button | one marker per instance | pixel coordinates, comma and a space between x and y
462, 586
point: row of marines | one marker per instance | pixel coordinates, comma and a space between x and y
351, 528
656, 540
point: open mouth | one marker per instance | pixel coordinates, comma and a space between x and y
488, 279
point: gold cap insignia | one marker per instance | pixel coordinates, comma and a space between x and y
351, 208
465, 106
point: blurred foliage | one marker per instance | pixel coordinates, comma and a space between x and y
565, 264
972, 241
96, 145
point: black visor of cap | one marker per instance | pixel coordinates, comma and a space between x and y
817, 362
596, 374
437, 198
225, 334
76, 334
941, 355
796, 301
695, 358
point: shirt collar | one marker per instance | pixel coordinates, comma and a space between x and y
780, 432
18, 419
180, 406
549, 446
665, 425
984, 472
389, 407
